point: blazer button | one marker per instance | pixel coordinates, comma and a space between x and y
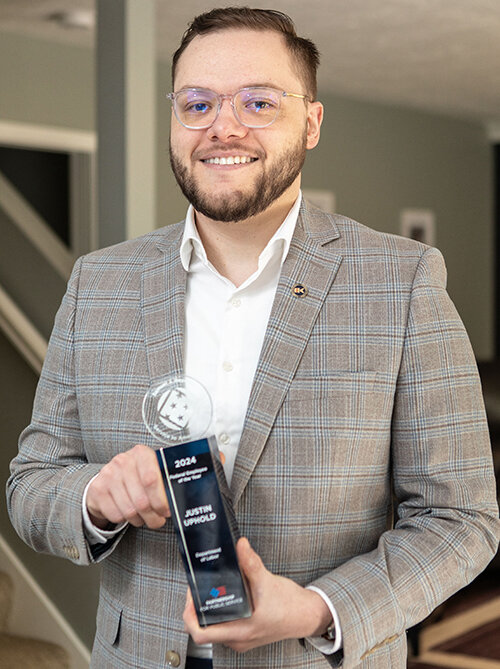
71, 552
173, 658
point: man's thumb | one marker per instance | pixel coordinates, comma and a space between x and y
249, 561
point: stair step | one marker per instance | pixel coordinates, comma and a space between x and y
16, 652
6, 590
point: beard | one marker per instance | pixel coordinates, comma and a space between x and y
240, 205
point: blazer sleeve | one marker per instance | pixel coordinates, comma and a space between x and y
50, 472
446, 518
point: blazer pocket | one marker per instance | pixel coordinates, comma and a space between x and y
337, 419
318, 382
348, 393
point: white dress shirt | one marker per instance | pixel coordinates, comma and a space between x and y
225, 329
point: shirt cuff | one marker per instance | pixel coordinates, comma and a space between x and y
93, 533
323, 645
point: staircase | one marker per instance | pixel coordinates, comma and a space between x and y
17, 651
28, 302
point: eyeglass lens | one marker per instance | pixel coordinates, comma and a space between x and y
254, 107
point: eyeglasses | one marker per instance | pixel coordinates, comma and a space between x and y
254, 107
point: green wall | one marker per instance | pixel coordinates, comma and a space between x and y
376, 159
46, 83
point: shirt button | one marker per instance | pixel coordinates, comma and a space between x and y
236, 302
173, 659
227, 366
224, 438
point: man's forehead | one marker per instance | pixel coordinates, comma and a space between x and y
224, 35
254, 55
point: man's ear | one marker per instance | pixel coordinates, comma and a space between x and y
314, 120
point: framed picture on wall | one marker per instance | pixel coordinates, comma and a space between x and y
419, 224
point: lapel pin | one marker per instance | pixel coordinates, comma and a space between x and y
299, 290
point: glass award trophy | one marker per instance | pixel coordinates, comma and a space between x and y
178, 411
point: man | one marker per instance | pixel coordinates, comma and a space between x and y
340, 373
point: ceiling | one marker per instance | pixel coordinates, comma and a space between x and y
436, 55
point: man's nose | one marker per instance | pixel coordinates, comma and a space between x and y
226, 125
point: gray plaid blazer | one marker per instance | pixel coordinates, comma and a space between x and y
364, 465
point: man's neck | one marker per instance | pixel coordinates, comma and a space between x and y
234, 248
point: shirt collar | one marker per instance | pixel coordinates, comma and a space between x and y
279, 242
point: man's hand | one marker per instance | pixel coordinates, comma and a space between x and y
129, 488
282, 610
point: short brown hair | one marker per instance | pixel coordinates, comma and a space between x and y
304, 51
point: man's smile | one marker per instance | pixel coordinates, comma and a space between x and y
228, 160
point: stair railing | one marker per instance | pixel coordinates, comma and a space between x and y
21, 332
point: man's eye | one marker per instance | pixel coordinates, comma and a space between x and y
260, 105
197, 108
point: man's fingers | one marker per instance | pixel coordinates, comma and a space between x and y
118, 506
152, 484
130, 488
108, 511
144, 487
143, 503
238, 634
190, 618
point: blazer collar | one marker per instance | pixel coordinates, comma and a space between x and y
311, 263
163, 290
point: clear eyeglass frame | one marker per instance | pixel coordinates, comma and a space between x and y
232, 97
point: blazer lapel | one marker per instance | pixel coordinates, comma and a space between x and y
162, 303
311, 264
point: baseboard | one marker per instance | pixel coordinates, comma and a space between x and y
34, 614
